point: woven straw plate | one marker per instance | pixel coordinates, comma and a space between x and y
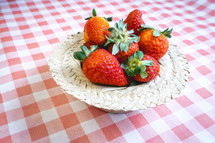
66, 71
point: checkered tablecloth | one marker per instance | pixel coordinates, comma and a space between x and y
34, 109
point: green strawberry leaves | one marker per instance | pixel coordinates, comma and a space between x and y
134, 65
79, 56
156, 33
82, 55
143, 27
94, 12
94, 15
167, 32
143, 74
139, 55
147, 63
115, 49
121, 37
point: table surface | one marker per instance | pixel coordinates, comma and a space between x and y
34, 108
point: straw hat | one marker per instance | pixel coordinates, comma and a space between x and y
66, 71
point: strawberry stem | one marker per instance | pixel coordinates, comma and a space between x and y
134, 65
94, 15
121, 37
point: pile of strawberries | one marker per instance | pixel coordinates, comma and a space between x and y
128, 51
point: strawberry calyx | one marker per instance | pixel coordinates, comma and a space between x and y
134, 65
94, 15
85, 53
122, 37
167, 32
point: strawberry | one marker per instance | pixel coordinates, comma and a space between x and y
134, 21
101, 67
153, 42
124, 42
142, 68
95, 29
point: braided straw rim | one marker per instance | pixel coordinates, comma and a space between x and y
66, 71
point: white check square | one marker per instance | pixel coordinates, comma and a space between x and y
49, 115
59, 137
17, 126
133, 136
90, 126
12, 104
159, 126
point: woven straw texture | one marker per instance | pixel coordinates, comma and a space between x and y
66, 71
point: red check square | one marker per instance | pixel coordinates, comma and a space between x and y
83, 139
162, 110
6, 39
204, 93
156, 139
47, 32
6, 139
43, 69
42, 23
59, 100
182, 132
28, 35
14, 61
111, 132
184, 101
18, 75
5, 29
52, 41
23, 27
30, 109
10, 49
50, 83
69, 120
205, 120
32, 45
66, 28
138, 120
38, 56
38, 132
25, 90
204, 70
3, 119
96, 112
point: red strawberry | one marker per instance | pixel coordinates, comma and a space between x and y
95, 29
125, 43
153, 42
134, 21
101, 67
142, 68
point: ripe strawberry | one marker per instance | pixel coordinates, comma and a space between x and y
101, 67
142, 68
125, 43
134, 21
96, 29
153, 42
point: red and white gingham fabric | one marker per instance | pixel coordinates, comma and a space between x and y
34, 109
